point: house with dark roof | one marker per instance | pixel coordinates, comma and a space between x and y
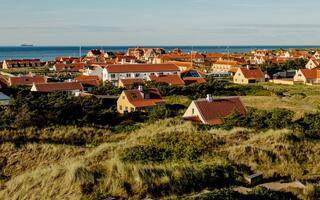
66, 87
211, 111
245, 75
139, 100
192, 76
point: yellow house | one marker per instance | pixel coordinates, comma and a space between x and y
245, 75
223, 65
139, 100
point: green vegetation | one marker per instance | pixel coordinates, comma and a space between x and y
164, 159
212, 86
55, 146
290, 64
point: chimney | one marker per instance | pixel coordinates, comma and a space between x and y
123, 61
140, 88
248, 67
132, 61
209, 98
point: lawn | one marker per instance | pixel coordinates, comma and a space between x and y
298, 104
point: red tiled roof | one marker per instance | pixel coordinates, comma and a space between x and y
233, 69
67, 59
26, 80
310, 73
135, 97
252, 73
85, 78
170, 79
88, 80
131, 81
142, 68
213, 112
225, 62
173, 56
10, 62
59, 86
181, 64
213, 55
69, 67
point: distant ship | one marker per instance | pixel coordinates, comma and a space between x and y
27, 45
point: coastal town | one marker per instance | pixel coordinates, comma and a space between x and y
131, 71
241, 125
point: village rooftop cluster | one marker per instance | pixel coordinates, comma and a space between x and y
175, 68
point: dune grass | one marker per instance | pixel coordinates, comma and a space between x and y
191, 161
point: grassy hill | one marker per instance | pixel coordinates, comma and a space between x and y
166, 159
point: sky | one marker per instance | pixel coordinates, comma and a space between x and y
159, 22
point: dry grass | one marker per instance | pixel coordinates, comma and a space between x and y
42, 171
297, 104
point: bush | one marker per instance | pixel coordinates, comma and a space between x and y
260, 119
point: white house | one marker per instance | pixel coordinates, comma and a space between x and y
95, 70
113, 73
313, 63
66, 87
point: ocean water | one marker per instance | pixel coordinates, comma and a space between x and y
46, 53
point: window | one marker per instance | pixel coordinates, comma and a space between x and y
120, 107
152, 73
128, 75
137, 75
160, 73
126, 109
113, 75
192, 111
123, 97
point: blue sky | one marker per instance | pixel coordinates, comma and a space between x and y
159, 22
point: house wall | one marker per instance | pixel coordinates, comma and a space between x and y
239, 78
299, 77
115, 77
220, 68
310, 65
4, 65
97, 72
124, 105
196, 112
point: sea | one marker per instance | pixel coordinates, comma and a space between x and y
47, 53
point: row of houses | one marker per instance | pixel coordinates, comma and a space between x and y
7, 64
